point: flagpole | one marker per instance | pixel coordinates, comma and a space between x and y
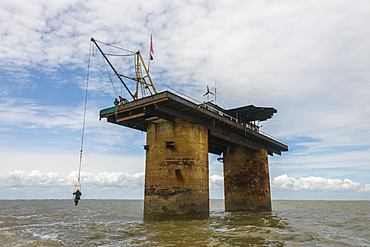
150, 51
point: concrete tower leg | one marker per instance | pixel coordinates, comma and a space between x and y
246, 178
176, 172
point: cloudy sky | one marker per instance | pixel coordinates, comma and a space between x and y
308, 59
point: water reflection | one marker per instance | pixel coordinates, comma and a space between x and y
222, 228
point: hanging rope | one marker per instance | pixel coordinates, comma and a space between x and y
84, 119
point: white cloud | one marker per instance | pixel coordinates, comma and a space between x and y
102, 179
114, 179
27, 113
316, 184
273, 52
216, 182
365, 188
35, 178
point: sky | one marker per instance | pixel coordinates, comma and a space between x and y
307, 59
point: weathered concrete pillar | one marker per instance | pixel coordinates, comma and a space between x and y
176, 172
246, 178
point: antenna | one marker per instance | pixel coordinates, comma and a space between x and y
215, 93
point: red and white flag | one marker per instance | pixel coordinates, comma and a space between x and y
151, 48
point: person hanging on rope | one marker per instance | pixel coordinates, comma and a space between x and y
77, 194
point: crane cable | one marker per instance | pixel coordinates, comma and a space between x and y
106, 67
128, 51
119, 55
78, 184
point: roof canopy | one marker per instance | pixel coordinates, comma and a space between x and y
252, 113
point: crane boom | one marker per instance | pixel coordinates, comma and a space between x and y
139, 78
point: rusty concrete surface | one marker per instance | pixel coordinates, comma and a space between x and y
176, 172
246, 180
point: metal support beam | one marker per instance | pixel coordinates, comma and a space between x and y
130, 117
216, 131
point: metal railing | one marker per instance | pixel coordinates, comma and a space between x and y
253, 127
205, 105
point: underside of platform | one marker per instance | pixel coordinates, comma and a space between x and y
227, 128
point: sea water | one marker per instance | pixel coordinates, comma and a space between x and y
120, 223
